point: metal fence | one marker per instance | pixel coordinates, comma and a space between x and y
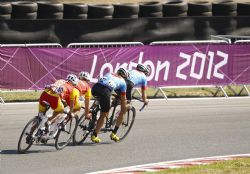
220, 39
230, 38
103, 44
38, 45
219, 88
190, 42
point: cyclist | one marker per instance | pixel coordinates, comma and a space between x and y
138, 77
135, 78
52, 96
103, 89
70, 95
85, 90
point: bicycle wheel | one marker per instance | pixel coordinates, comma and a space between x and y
63, 137
127, 124
82, 130
26, 138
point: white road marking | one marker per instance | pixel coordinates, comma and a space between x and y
170, 164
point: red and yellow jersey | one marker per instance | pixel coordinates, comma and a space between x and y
69, 93
84, 89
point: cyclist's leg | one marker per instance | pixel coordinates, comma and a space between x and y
119, 120
104, 95
42, 107
57, 106
41, 111
77, 105
130, 86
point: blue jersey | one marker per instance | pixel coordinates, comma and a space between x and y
113, 82
138, 78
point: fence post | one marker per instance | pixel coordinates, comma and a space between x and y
222, 89
1, 99
163, 93
231, 89
244, 87
136, 90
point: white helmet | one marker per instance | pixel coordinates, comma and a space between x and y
72, 78
84, 76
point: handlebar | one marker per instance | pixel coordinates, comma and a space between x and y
142, 107
133, 97
139, 99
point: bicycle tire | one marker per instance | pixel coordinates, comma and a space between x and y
127, 124
25, 129
60, 142
82, 130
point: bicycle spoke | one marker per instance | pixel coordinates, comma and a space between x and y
82, 130
63, 137
127, 124
27, 136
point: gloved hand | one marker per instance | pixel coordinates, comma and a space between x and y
128, 106
88, 116
71, 114
146, 102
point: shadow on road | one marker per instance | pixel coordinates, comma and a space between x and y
91, 144
14, 152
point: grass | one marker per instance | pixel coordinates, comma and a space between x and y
239, 166
12, 96
20, 96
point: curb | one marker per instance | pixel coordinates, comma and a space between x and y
154, 167
162, 99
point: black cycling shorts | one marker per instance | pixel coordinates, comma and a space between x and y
104, 95
130, 86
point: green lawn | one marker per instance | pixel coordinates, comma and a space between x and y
241, 166
170, 92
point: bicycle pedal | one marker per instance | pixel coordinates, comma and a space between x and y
44, 141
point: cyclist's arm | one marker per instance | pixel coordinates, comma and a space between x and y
123, 97
123, 102
144, 95
143, 90
87, 101
73, 97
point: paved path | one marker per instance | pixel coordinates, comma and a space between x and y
165, 131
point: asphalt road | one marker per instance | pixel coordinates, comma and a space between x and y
172, 130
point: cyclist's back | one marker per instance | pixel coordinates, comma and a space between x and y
137, 78
113, 82
52, 96
84, 88
69, 92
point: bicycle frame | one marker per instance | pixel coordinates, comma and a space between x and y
86, 126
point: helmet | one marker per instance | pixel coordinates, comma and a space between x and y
123, 72
72, 78
59, 90
143, 68
84, 75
